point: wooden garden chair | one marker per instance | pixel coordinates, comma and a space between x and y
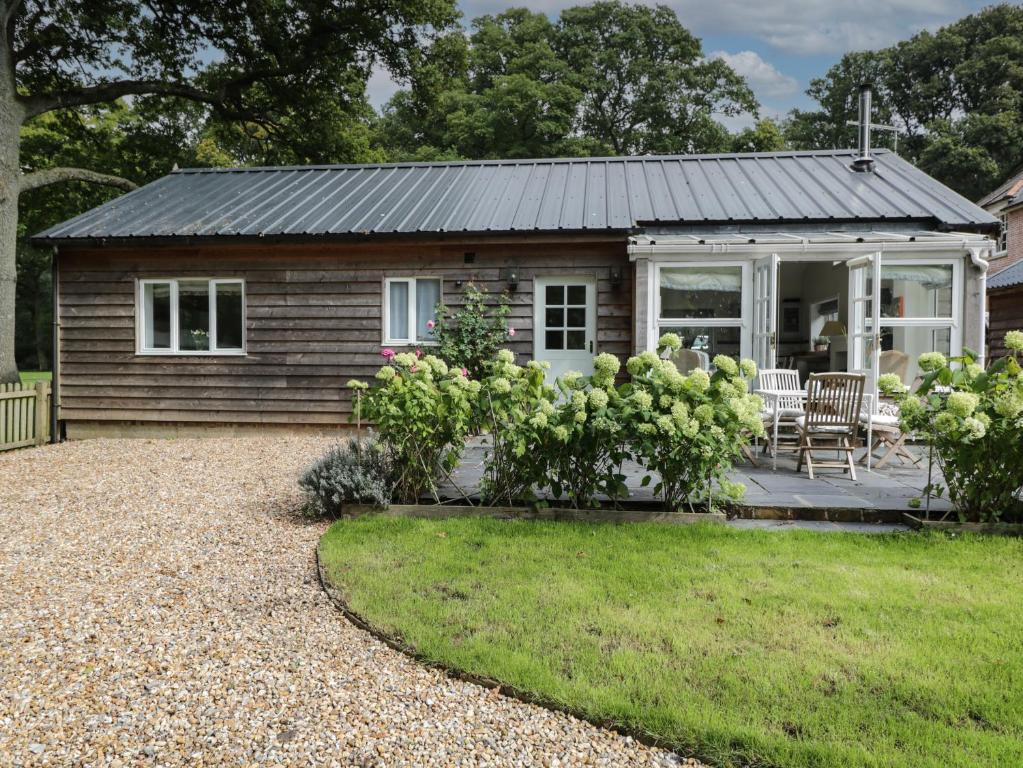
831, 421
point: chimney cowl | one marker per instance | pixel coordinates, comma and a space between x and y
864, 162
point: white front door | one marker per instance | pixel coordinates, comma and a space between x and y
565, 323
765, 312
864, 317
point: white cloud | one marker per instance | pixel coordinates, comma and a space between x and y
765, 80
380, 87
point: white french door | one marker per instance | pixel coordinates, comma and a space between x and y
864, 316
765, 311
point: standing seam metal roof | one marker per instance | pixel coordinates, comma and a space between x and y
576, 194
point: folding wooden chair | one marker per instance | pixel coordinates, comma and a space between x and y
889, 437
831, 421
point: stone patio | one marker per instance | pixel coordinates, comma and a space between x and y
879, 494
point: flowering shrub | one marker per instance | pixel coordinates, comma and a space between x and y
690, 428
588, 438
515, 406
470, 337
422, 411
973, 421
566, 439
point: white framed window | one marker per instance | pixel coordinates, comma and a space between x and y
704, 303
920, 310
191, 316
410, 305
1003, 232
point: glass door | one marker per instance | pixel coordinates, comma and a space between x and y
864, 314
765, 312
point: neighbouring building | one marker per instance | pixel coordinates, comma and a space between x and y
1005, 307
249, 296
1006, 204
1005, 276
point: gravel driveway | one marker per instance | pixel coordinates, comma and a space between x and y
159, 606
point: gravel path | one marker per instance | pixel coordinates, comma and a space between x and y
159, 606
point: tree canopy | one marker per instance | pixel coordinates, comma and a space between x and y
956, 96
283, 80
607, 78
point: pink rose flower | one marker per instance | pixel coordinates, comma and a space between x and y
465, 372
430, 324
387, 352
414, 368
511, 331
419, 353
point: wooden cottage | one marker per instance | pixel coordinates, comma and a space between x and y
250, 296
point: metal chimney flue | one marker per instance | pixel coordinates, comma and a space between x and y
864, 162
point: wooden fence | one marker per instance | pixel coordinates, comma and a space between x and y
24, 414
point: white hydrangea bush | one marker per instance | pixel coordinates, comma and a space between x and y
972, 420
689, 429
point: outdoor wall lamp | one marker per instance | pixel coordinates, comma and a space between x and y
511, 276
615, 276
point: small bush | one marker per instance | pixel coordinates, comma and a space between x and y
423, 412
973, 421
690, 429
470, 337
354, 472
567, 439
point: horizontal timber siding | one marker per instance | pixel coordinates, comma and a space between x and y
1005, 313
314, 321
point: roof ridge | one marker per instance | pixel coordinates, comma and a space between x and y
527, 161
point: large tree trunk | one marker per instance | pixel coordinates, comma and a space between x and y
10, 129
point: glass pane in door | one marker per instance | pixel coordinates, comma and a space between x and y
565, 317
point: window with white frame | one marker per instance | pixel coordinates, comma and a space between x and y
1003, 232
703, 305
919, 312
410, 308
191, 316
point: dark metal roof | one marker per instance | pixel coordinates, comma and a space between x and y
580, 194
1007, 278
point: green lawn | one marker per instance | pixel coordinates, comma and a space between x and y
739, 647
31, 377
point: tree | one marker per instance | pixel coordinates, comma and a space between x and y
257, 63
765, 136
647, 86
956, 96
605, 79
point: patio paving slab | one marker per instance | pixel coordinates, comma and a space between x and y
894, 488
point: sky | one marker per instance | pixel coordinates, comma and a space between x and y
777, 45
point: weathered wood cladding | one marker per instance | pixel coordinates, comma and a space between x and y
313, 321
1005, 313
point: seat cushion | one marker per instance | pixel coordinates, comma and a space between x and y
783, 413
880, 420
828, 430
